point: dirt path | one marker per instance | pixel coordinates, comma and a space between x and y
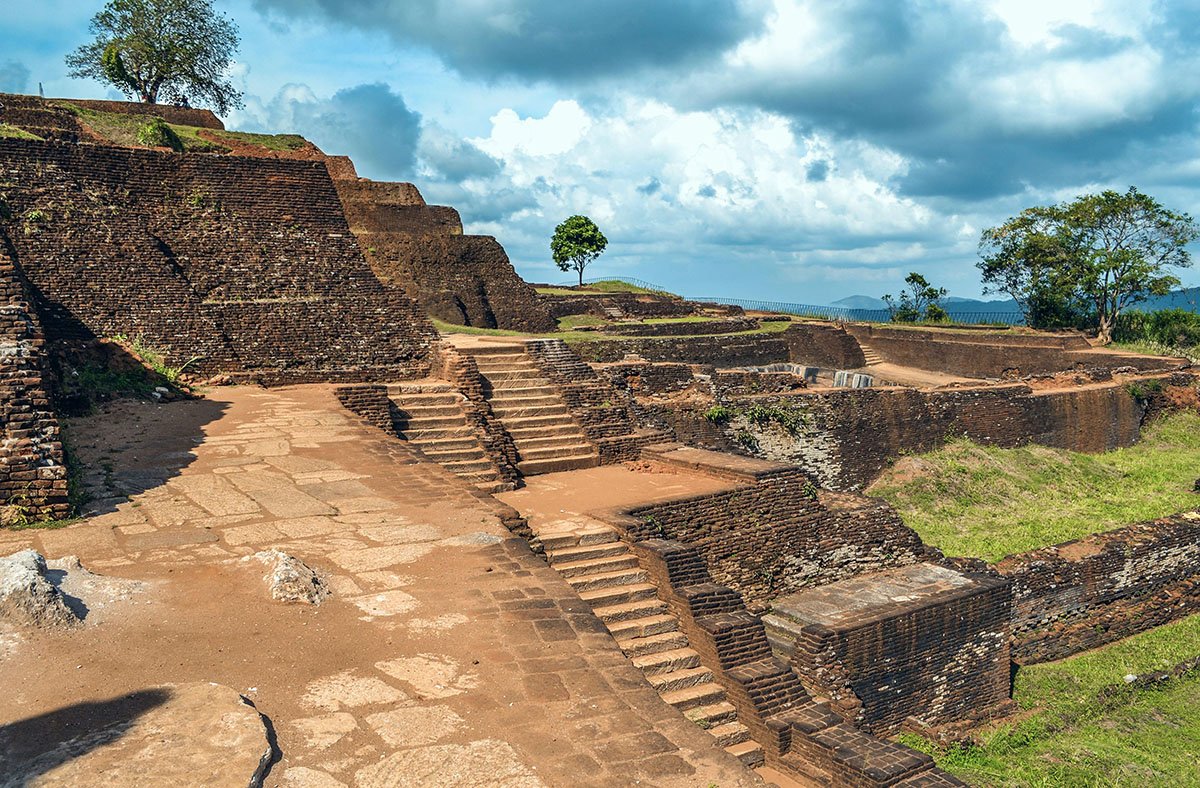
449, 654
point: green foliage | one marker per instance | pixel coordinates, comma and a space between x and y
155, 358
179, 50
719, 414
571, 322
1142, 390
1082, 726
987, 502
1086, 260
274, 142
746, 440
155, 133
921, 301
12, 132
576, 243
791, 418
1170, 327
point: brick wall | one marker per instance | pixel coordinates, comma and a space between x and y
770, 534
245, 265
977, 354
33, 477
849, 436
823, 345
734, 350
462, 279
180, 116
691, 328
1082, 594
638, 305
461, 370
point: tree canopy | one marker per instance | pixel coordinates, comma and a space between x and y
921, 301
178, 50
576, 243
1086, 260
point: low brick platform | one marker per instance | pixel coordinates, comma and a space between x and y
921, 640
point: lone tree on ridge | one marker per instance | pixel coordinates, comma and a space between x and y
576, 243
921, 301
1092, 257
178, 50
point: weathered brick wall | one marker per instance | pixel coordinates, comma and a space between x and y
33, 477
638, 305
978, 354
849, 436
461, 370
823, 345
462, 279
734, 350
684, 329
1082, 594
245, 265
939, 658
770, 534
370, 402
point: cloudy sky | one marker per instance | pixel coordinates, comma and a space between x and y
791, 150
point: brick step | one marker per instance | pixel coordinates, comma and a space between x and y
586, 552
468, 466
496, 350
680, 679
398, 394
666, 662
457, 458
534, 467
431, 422
528, 389
528, 442
514, 375
493, 487
628, 611
695, 696
522, 400
449, 443
730, 733
621, 577
616, 595
639, 628
713, 715
479, 477
567, 540
654, 643
440, 433
567, 448
529, 423
591, 566
750, 753
505, 412
409, 410
539, 432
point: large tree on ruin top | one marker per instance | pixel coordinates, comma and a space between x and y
173, 50
1095, 256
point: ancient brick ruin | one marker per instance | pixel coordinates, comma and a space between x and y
798, 622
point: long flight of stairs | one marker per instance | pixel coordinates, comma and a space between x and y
431, 415
605, 573
529, 407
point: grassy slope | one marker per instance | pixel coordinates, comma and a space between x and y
14, 132
122, 129
987, 502
572, 337
1069, 737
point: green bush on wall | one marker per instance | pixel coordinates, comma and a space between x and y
157, 134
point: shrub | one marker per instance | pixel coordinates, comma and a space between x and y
718, 414
157, 134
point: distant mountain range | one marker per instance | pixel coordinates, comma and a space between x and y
1187, 298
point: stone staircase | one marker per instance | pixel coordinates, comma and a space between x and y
871, 355
431, 416
605, 573
529, 407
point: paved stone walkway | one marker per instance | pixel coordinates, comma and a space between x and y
449, 654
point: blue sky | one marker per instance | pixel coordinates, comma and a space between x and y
793, 150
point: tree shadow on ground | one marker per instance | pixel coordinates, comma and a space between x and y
34, 746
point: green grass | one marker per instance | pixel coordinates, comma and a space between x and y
575, 337
571, 322
1068, 735
273, 142
12, 132
450, 328
561, 291
1147, 348
617, 286
988, 503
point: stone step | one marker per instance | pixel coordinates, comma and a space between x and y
441, 454
530, 442
531, 376
505, 412
730, 733
640, 628
523, 389
431, 422
492, 487
695, 696
680, 679
591, 566
405, 410
478, 477
525, 424
750, 753
577, 537
628, 611
504, 400
712, 716
535, 467
468, 466
586, 552
449, 443
615, 595
567, 448
652, 644
554, 429
664, 662
621, 577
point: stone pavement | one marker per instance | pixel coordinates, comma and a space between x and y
448, 655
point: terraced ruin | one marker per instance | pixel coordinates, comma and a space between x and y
563, 536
